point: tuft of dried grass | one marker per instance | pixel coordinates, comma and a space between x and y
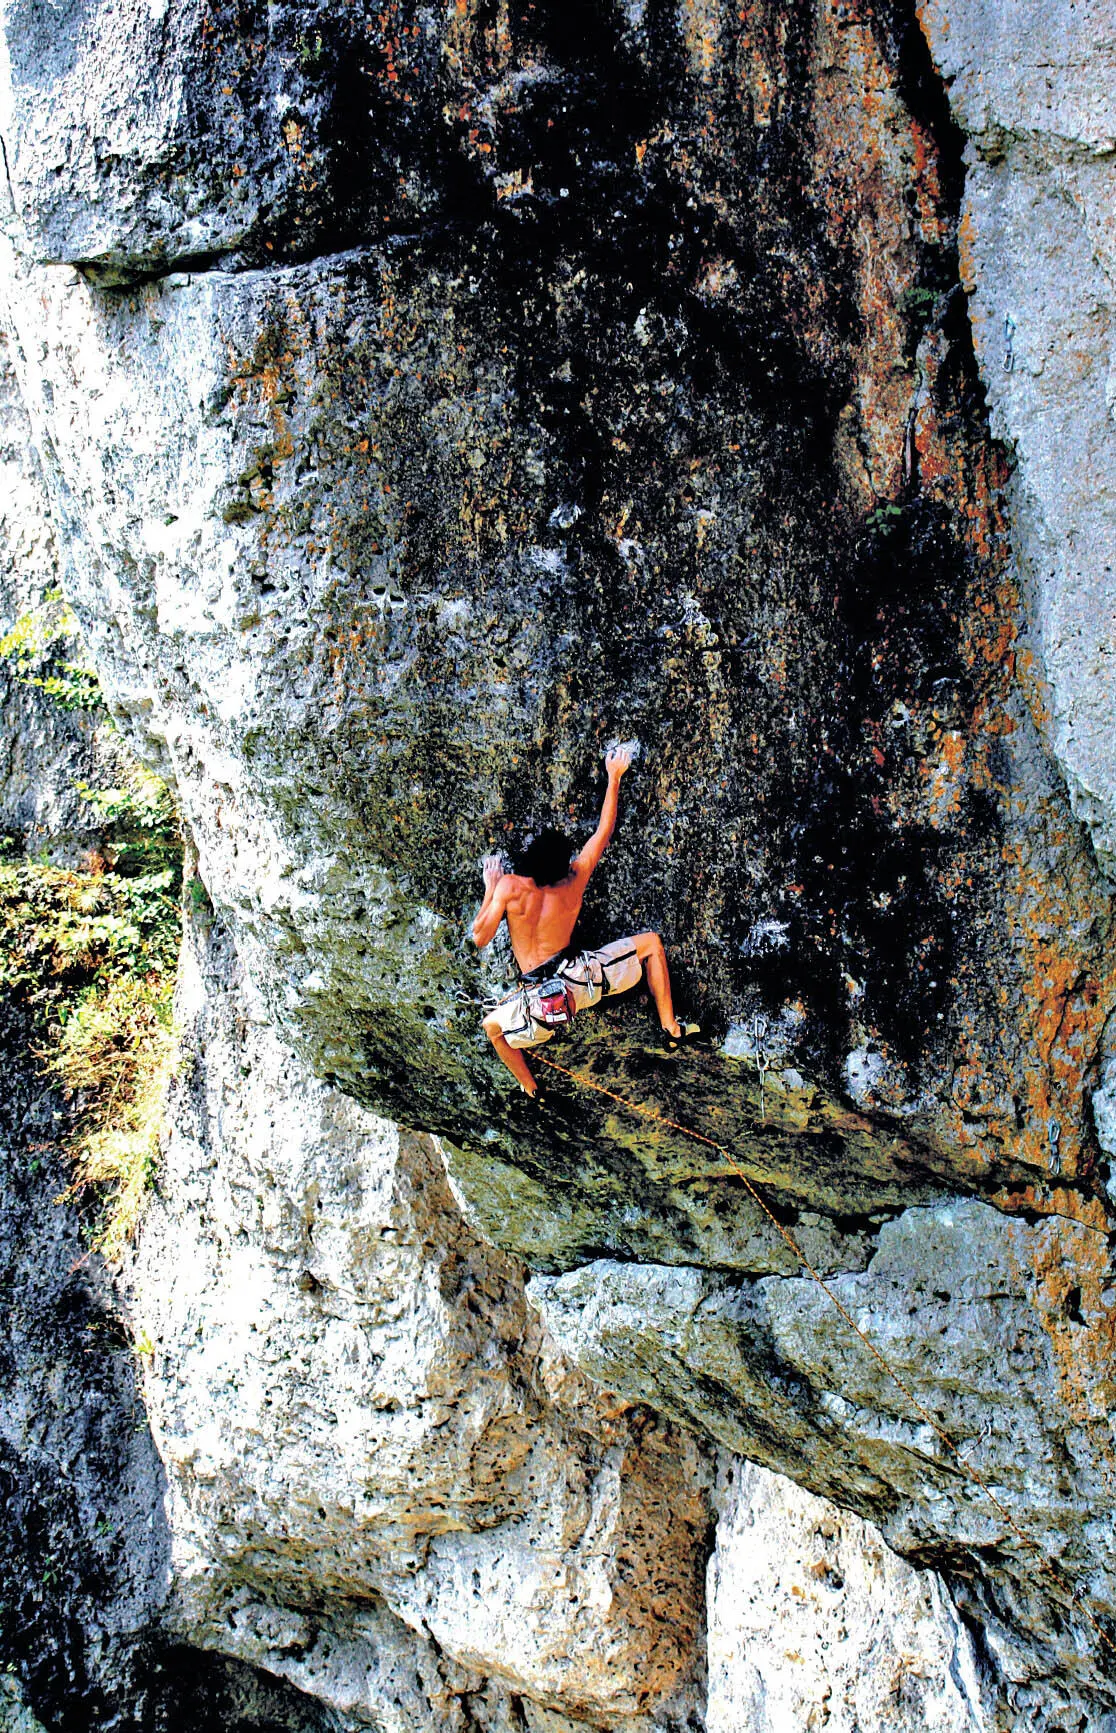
114, 1057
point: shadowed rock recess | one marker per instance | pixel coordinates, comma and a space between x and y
427, 396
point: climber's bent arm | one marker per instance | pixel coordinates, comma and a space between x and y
491, 911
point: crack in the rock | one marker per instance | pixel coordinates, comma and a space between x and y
8, 175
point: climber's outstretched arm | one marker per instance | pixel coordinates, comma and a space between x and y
616, 762
491, 911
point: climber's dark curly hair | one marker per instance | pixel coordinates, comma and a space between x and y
546, 858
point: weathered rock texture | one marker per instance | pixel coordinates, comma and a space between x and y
45, 752
770, 1370
84, 1546
1035, 91
385, 1483
426, 396
858, 1640
84, 1538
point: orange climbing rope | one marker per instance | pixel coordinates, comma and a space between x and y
646, 1112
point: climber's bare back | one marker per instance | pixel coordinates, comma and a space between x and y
541, 919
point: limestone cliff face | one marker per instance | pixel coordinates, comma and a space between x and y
1034, 95
428, 395
386, 1483
859, 1639
389, 1487
45, 753
85, 1543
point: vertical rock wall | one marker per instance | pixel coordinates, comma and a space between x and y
86, 1549
426, 395
1035, 93
857, 1640
44, 752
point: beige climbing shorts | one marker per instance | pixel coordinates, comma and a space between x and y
591, 977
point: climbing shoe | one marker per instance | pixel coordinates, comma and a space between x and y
686, 1032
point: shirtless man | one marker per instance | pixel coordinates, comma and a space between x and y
541, 903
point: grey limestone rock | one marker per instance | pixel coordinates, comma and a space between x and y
379, 1466
45, 752
771, 1370
15, 1716
425, 399
860, 1638
1034, 90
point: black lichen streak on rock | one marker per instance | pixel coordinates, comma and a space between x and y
570, 641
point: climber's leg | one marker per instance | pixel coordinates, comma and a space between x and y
649, 950
510, 1027
512, 1056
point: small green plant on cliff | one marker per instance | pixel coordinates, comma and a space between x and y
918, 300
885, 518
35, 650
310, 48
92, 953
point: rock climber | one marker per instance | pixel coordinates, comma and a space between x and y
541, 901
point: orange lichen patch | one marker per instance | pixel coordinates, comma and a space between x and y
942, 463
458, 44
1070, 1275
882, 405
701, 30
1020, 1063
476, 45
874, 165
1034, 686
937, 463
1046, 1200
927, 185
966, 250
945, 779
941, 20
997, 647
760, 63
869, 166
717, 275
1064, 988
515, 184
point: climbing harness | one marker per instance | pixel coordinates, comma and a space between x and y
1061, 1577
548, 998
